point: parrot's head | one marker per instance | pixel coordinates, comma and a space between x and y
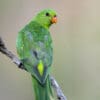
46, 17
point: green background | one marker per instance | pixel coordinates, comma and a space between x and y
76, 39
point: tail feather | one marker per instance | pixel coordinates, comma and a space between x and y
42, 91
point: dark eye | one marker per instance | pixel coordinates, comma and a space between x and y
47, 14
55, 15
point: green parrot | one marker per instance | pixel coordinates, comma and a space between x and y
34, 47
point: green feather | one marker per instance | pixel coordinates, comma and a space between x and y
40, 68
34, 46
43, 92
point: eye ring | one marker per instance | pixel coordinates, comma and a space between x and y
47, 14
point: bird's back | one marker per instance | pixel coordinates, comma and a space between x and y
34, 46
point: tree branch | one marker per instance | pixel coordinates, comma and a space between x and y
19, 64
58, 90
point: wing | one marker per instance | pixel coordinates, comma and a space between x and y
35, 49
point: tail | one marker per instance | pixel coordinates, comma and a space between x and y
42, 92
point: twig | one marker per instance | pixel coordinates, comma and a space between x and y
59, 92
15, 60
9, 54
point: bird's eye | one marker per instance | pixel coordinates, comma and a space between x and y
47, 14
55, 15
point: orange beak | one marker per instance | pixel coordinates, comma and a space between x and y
54, 20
